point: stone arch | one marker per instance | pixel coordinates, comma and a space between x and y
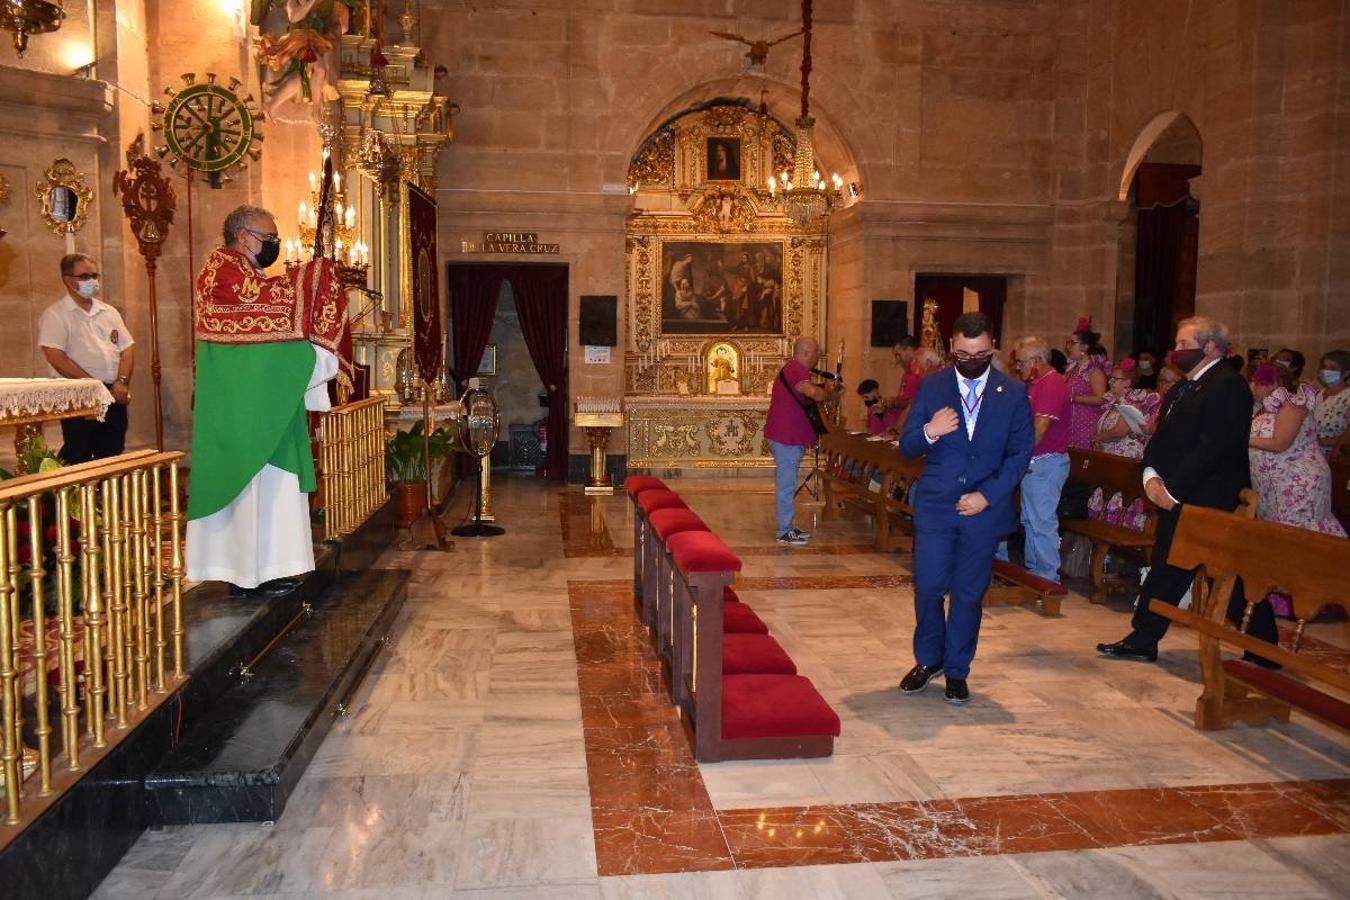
1169, 134
833, 150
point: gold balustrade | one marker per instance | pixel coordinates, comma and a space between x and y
351, 465
92, 556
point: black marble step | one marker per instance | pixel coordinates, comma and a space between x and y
242, 759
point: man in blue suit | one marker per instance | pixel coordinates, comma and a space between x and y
974, 426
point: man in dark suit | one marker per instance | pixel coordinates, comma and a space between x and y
1198, 455
963, 500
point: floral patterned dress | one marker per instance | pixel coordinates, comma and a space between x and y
1083, 418
1295, 485
1330, 414
1131, 445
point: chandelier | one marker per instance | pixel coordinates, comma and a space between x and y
25, 17
804, 194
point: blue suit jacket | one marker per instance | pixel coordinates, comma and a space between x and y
993, 463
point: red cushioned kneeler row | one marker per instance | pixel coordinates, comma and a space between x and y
701, 551
755, 654
652, 500
729, 595
636, 484
673, 520
770, 706
738, 618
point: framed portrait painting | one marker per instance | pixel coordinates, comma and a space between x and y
720, 288
724, 159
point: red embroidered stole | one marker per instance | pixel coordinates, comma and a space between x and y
237, 304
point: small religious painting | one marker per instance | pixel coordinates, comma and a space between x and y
720, 288
724, 159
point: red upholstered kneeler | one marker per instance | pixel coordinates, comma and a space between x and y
755, 654
652, 500
673, 520
739, 618
636, 484
774, 706
662, 524
645, 503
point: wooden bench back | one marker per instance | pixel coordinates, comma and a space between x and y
1113, 475
1309, 567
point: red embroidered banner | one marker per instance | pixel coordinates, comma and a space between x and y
428, 343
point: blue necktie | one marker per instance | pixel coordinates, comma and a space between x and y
972, 404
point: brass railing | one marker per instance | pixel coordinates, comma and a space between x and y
92, 553
351, 465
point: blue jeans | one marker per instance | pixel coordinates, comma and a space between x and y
1041, 487
787, 458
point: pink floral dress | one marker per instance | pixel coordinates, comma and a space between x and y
1083, 418
1131, 445
1295, 485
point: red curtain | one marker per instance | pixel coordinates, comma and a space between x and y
541, 304
1164, 261
473, 304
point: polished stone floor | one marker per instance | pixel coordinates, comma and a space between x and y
513, 741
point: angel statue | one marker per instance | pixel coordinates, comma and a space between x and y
304, 56
759, 50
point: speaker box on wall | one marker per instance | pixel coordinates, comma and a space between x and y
599, 320
890, 321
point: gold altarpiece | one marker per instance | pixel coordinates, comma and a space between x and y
719, 283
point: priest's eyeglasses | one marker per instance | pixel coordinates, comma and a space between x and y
263, 235
973, 357
85, 276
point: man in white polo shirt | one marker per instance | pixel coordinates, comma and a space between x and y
83, 337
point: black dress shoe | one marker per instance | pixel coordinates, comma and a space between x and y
280, 586
238, 593
1261, 661
1122, 650
957, 692
917, 678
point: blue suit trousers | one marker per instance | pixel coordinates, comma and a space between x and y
953, 557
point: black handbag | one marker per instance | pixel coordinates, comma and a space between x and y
809, 407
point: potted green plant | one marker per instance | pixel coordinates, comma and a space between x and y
405, 464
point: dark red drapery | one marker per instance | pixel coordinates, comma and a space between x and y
473, 304
541, 304
1164, 262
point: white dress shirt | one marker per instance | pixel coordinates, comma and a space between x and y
968, 401
94, 339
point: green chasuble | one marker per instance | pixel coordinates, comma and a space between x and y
250, 411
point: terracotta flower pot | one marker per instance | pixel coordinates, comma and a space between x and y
410, 501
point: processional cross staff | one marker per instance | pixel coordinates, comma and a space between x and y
148, 202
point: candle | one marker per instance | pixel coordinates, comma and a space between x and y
337, 182
351, 217
313, 182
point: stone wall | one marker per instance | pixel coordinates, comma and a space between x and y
989, 136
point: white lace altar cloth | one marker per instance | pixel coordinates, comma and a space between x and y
56, 398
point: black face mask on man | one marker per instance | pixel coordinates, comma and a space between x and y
972, 368
1188, 359
268, 252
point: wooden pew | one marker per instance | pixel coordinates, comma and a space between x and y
1309, 567
874, 478
1112, 475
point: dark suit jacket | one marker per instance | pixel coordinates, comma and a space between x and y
1200, 447
993, 463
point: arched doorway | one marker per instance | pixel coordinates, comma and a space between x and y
1160, 238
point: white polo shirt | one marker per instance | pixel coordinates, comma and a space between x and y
94, 339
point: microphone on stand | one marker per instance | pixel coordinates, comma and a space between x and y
823, 374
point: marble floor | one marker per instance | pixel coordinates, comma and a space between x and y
514, 741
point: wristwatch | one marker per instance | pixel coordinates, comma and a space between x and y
124, 379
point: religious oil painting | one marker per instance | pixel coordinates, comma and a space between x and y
724, 159
720, 288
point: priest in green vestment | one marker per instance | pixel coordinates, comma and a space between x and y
266, 347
